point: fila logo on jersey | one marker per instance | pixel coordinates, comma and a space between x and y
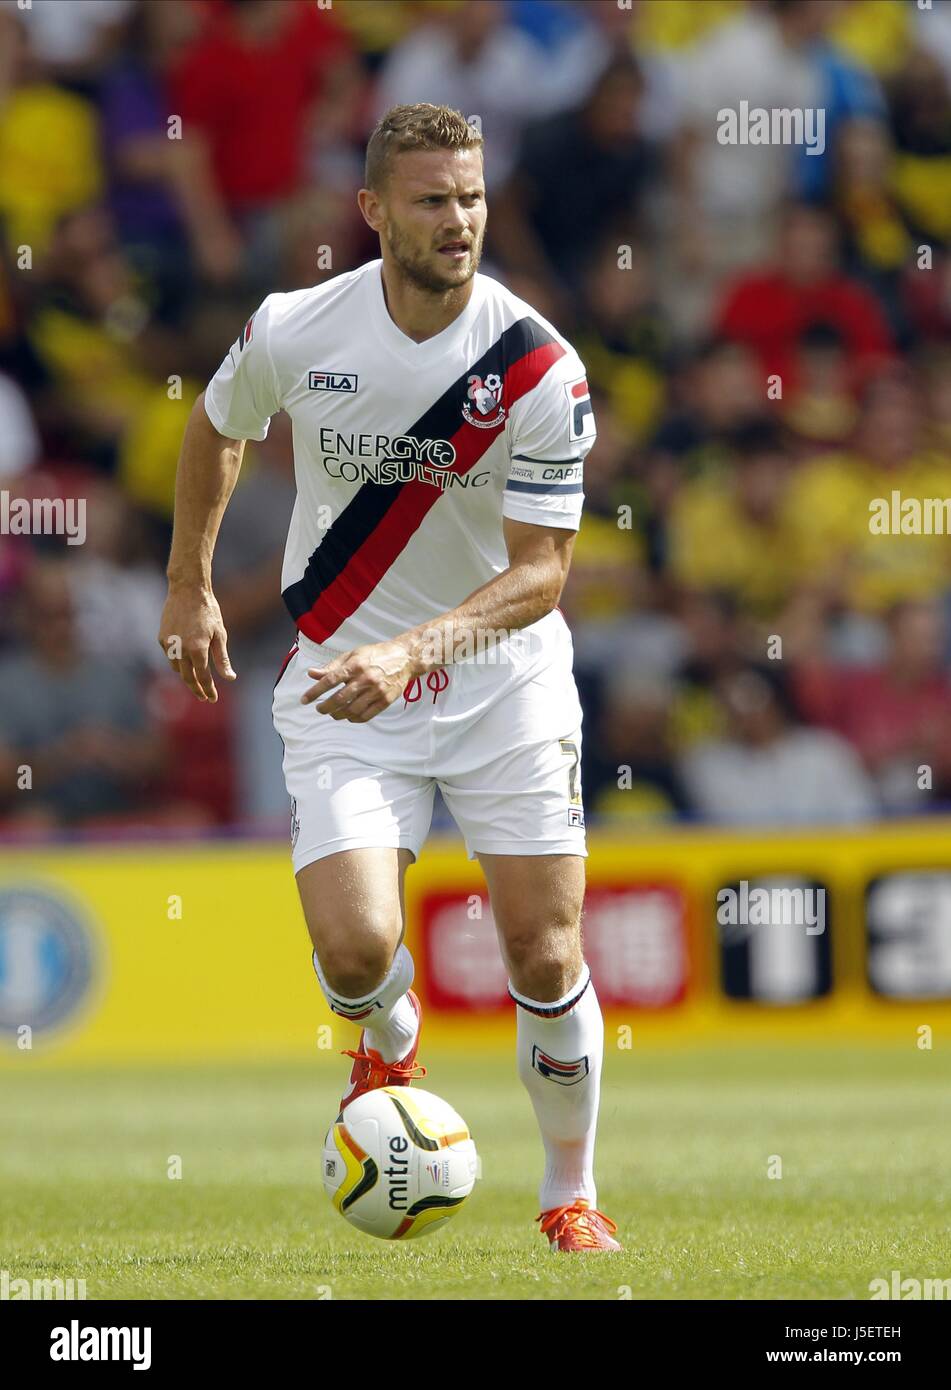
580, 410
332, 381
565, 1073
486, 411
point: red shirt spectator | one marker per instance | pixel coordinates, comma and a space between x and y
894, 714
881, 715
249, 82
770, 310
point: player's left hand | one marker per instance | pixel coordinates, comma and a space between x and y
372, 678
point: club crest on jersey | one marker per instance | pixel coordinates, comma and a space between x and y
483, 404
332, 381
565, 1073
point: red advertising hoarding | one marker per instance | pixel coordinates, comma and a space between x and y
635, 942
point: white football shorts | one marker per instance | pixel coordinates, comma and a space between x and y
500, 737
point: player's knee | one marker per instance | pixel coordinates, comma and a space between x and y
544, 957
547, 980
352, 967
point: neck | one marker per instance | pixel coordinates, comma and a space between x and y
419, 313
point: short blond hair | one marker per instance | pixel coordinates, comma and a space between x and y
419, 127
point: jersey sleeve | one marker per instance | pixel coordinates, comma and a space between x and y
244, 392
552, 430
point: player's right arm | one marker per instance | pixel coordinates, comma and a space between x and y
237, 405
192, 630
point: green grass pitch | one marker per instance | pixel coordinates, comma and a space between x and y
686, 1139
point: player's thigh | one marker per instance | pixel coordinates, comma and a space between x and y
352, 786
537, 900
354, 906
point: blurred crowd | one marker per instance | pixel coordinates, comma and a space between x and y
765, 329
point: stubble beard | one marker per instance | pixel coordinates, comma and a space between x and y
414, 266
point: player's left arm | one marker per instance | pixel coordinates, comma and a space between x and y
375, 675
539, 557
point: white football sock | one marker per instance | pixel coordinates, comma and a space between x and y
388, 1017
395, 1039
559, 1049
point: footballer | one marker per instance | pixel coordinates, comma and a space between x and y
440, 427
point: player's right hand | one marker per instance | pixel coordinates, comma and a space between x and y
191, 635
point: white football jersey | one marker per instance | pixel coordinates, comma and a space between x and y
407, 455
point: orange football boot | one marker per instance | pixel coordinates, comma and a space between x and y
578, 1226
370, 1071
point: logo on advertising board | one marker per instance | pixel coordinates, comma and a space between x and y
908, 922
47, 960
774, 938
635, 944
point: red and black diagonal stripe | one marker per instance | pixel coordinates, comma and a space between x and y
380, 519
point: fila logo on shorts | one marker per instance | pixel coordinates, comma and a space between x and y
565, 1073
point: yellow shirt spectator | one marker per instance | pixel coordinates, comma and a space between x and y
93, 370
605, 567
678, 23
715, 543
148, 456
874, 33
922, 185
49, 161
828, 512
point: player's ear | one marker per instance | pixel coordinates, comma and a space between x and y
371, 206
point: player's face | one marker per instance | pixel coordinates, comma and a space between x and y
433, 216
